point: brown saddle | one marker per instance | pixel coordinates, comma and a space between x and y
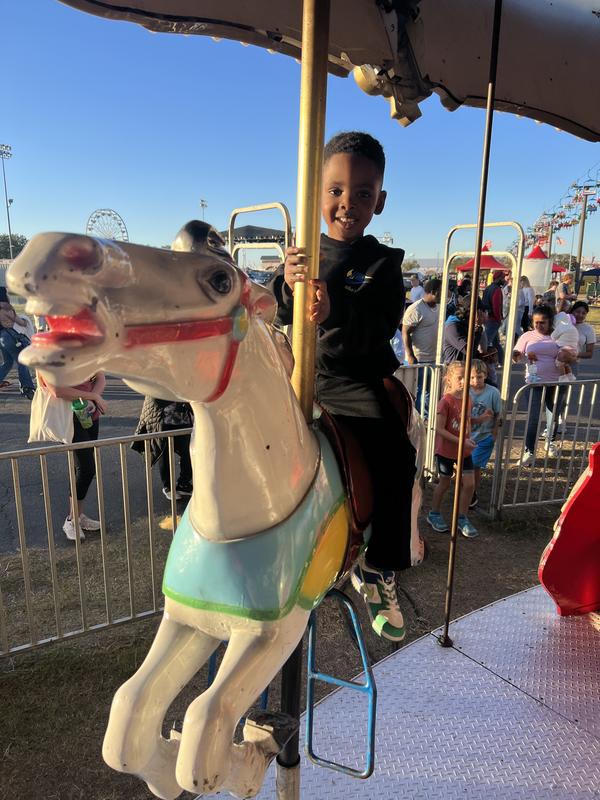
354, 471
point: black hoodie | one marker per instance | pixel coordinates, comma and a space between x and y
366, 291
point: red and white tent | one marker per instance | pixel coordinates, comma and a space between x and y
538, 268
487, 262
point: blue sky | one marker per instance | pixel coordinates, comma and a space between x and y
106, 114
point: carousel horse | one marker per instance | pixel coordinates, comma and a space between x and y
267, 529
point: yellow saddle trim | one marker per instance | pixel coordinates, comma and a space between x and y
327, 560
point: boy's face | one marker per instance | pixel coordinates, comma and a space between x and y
477, 380
352, 193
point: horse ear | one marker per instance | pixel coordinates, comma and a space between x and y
262, 303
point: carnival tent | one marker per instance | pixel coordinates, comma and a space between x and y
487, 263
538, 268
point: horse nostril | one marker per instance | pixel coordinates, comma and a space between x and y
81, 254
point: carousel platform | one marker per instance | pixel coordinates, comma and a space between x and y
511, 711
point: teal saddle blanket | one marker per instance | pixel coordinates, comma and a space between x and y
258, 577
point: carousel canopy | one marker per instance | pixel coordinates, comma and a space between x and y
487, 262
409, 49
537, 252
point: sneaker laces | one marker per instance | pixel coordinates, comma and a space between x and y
388, 593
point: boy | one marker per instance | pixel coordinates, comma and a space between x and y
359, 300
485, 419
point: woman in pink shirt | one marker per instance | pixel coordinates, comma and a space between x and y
538, 349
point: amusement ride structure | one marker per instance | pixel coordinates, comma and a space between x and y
251, 499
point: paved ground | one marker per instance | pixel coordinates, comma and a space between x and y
123, 411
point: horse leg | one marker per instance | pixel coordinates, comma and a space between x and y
208, 761
133, 742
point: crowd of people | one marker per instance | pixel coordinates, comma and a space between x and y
552, 337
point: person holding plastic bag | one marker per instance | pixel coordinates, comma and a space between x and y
86, 426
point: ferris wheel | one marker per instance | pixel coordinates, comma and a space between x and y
107, 224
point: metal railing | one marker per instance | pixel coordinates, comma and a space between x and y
424, 382
559, 421
50, 592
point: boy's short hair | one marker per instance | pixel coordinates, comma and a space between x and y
477, 365
432, 286
357, 143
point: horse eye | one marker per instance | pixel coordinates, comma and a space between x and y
221, 282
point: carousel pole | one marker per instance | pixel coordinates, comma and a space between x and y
313, 93
445, 639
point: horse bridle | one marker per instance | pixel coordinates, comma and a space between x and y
234, 325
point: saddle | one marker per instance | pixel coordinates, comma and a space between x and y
354, 471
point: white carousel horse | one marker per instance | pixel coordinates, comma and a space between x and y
266, 532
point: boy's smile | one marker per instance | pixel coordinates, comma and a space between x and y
352, 194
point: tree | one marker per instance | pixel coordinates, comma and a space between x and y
18, 243
562, 259
410, 264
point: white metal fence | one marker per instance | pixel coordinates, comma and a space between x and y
51, 590
558, 423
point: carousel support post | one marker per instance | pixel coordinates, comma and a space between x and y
313, 93
445, 640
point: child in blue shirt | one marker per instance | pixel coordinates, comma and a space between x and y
485, 420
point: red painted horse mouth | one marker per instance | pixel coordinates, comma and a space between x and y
82, 329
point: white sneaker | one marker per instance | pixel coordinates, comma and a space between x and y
552, 450
526, 458
544, 434
70, 532
167, 493
88, 524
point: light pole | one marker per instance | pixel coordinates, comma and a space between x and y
6, 152
203, 205
587, 191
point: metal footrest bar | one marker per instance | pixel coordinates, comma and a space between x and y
367, 687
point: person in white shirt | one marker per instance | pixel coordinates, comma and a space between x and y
419, 334
586, 333
416, 290
526, 302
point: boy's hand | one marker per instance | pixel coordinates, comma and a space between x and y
320, 308
532, 357
295, 268
469, 446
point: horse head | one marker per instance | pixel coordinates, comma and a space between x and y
170, 322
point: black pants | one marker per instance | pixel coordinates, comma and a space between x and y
85, 467
390, 458
181, 445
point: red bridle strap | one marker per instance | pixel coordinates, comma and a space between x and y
236, 325
169, 332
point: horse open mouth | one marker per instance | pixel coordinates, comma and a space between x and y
70, 331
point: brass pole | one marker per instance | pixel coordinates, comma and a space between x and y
313, 93
445, 639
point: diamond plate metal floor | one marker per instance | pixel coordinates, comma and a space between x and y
512, 711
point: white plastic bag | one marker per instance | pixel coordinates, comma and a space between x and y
51, 418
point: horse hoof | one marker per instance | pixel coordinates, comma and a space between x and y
270, 731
